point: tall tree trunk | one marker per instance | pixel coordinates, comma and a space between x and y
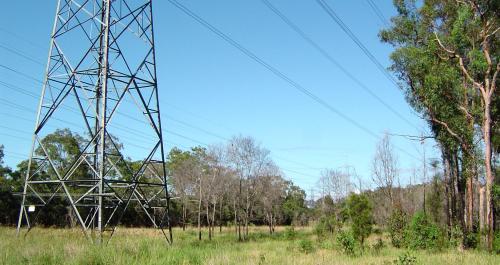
239, 211
183, 216
207, 207
199, 214
481, 208
213, 218
269, 224
487, 161
447, 181
220, 215
470, 203
459, 191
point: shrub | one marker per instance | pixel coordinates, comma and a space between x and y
306, 246
455, 236
360, 214
326, 225
346, 242
398, 222
406, 259
290, 233
423, 234
378, 246
496, 243
471, 240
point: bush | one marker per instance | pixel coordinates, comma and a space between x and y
306, 246
471, 240
290, 233
346, 242
360, 213
326, 225
406, 259
423, 234
378, 246
398, 222
496, 243
455, 236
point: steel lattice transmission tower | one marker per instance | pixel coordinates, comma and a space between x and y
100, 72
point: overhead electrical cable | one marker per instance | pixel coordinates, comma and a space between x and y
330, 58
278, 73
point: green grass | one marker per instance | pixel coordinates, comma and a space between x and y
146, 246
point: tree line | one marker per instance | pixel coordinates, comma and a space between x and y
235, 183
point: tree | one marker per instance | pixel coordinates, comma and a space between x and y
248, 158
294, 205
179, 165
435, 200
447, 59
385, 167
272, 194
8, 204
359, 209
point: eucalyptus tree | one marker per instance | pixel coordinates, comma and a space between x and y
248, 158
447, 59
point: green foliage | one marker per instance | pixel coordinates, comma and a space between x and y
347, 243
496, 243
406, 259
397, 225
360, 213
294, 206
456, 236
471, 240
290, 233
435, 199
423, 234
326, 225
306, 246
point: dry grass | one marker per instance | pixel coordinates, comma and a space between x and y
146, 246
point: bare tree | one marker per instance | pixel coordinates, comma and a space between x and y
385, 167
272, 191
248, 158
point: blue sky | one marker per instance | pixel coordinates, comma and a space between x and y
207, 83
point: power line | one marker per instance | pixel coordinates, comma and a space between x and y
272, 69
353, 37
125, 128
128, 116
18, 53
276, 72
330, 58
21, 107
377, 12
36, 45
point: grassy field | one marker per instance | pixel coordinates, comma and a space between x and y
146, 246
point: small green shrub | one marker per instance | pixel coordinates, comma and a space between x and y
290, 233
471, 240
496, 243
360, 214
398, 222
326, 225
405, 259
378, 246
306, 246
455, 236
423, 234
346, 242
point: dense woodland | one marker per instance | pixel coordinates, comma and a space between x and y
446, 61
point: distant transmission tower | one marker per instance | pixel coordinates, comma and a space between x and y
100, 72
